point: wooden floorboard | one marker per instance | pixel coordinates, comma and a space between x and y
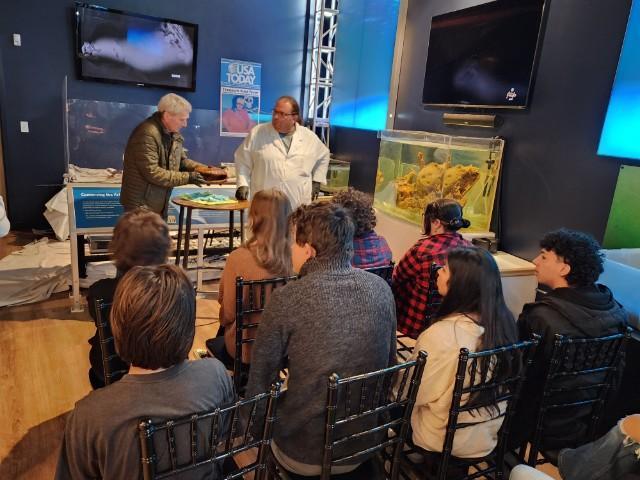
44, 364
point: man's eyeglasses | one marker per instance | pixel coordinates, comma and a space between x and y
282, 114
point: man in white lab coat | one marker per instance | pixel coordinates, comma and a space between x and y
284, 155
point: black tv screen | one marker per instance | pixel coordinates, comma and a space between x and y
483, 56
117, 46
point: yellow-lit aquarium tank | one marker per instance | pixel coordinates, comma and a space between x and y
416, 168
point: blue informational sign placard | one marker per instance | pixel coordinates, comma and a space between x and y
239, 97
96, 207
99, 207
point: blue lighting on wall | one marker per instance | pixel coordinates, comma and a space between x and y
364, 57
621, 128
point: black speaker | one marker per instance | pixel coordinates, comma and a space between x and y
469, 120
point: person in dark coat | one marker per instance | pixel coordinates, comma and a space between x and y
570, 264
155, 160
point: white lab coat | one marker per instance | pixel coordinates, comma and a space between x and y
262, 162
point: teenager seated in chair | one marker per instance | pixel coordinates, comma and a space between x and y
369, 248
472, 315
412, 283
266, 254
141, 237
569, 263
334, 318
153, 321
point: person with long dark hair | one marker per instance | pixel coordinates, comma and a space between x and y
472, 315
416, 302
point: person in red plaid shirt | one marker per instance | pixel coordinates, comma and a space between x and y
369, 248
417, 298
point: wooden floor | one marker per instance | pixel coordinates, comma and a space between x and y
43, 371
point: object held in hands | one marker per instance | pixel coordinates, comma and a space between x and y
212, 174
242, 193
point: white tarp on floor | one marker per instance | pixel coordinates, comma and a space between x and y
35, 272
43, 267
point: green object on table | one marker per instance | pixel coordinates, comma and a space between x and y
208, 198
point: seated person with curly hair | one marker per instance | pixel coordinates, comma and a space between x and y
569, 263
369, 248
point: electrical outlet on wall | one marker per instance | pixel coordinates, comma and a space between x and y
24, 126
17, 40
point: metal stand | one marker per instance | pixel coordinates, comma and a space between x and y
322, 63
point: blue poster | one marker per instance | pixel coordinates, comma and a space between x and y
99, 207
239, 97
96, 207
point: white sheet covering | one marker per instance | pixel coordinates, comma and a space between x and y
57, 214
35, 272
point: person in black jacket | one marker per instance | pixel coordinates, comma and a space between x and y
569, 264
141, 237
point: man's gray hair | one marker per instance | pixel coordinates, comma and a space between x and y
174, 104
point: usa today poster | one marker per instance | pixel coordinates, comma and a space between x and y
239, 97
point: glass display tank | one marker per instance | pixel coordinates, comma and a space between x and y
416, 168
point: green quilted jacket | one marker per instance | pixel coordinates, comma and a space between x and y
154, 162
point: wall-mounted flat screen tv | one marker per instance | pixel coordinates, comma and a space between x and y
483, 56
117, 46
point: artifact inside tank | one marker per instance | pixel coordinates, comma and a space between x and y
212, 174
415, 190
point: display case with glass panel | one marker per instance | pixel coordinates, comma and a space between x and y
337, 176
416, 168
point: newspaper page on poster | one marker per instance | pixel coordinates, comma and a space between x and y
239, 97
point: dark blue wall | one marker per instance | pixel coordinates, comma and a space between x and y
31, 76
551, 174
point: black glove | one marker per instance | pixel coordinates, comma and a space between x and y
242, 193
196, 179
315, 190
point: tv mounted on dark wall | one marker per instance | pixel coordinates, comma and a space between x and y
483, 56
116, 46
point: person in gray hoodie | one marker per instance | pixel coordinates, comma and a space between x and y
334, 318
570, 264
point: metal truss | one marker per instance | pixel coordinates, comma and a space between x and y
322, 60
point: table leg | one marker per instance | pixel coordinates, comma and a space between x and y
82, 262
231, 225
242, 226
180, 222
187, 238
199, 275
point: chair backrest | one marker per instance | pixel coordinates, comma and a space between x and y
581, 373
434, 299
386, 272
112, 364
495, 392
360, 410
175, 446
251, 298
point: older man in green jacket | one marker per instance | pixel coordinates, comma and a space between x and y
155, 160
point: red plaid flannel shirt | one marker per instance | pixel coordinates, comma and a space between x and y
411, 281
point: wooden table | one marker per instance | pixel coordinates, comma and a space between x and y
189, 206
